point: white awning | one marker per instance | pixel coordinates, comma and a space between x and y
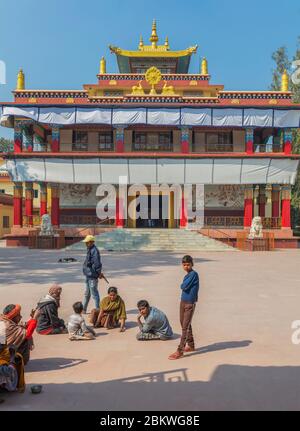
153, 171
217, 117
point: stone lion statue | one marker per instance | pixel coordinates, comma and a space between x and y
256, 230
46, 226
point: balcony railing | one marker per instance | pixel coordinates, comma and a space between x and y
238, 222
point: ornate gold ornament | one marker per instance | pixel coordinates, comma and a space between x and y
137, 90
153, 77
168, 90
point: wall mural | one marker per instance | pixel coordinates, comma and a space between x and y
224, 196
216, 196
78, 195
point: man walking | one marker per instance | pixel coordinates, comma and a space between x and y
92, 270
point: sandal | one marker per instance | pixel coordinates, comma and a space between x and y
176, 355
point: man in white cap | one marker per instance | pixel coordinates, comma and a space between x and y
92, 268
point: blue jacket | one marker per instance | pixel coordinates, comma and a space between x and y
92, 265
190, 287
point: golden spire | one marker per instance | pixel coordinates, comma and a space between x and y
285, 82
102, 66
204, 67
154, 37
21, 80
167, 43
141, 44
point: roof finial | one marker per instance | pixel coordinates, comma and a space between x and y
167, 43
141, 44
21, 80
102, 66
154, 37
204, 67
285, 82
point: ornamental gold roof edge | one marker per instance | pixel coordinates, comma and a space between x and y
154, 52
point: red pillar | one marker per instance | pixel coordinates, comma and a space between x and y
185, 140
55, 145
55, 210
286, 207
119, 213
120, 140
249, 141
275, 202
18, 138
29, 203
18, 205
43, 199
183, 213
287, 141
248, 206
262, 202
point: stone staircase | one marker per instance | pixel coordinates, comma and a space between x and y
180, 240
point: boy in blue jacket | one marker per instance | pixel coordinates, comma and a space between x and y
189, 298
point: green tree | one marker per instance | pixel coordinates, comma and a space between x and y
6, 145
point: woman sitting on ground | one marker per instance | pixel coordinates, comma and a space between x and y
112, 313
48, 322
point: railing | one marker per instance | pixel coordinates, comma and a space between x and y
271, 222
238, 222
84, 220
224, 236
229, 222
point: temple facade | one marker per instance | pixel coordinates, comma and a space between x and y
152, 123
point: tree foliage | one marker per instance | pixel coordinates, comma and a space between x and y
6, 145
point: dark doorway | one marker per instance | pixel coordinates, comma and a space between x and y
153, 221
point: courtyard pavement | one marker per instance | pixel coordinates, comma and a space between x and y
245, 357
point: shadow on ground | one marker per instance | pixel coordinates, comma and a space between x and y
231, 387
50, 364
21, 265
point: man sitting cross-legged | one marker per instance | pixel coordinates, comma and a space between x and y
156, 325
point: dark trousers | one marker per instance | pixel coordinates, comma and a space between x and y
186, 315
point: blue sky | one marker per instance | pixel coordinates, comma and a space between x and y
59, 43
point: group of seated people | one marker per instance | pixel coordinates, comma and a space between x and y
16, 339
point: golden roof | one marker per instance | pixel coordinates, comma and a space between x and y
153, 50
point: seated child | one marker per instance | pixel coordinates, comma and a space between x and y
76, 325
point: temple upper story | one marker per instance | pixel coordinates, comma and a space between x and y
160, 56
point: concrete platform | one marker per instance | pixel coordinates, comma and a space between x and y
245, 358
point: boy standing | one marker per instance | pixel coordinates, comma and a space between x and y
189, 298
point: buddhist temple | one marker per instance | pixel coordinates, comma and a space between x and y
152, 122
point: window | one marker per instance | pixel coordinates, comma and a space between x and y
219, 142
35, 194
80, 141
143, 141
106, 141
5, 222
2, 190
